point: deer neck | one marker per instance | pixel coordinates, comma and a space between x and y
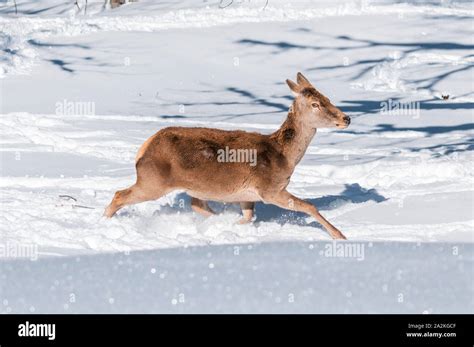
294, 136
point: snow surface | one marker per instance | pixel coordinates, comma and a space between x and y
397, 179
261, 278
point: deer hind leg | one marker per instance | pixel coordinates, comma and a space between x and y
288, 201
201, 207
247, 212
129, 196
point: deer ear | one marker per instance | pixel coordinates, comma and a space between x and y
303, 81
293, 86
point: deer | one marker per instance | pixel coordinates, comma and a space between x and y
185, 159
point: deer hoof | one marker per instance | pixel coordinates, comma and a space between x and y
244, 221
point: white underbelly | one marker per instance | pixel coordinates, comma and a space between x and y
246, 195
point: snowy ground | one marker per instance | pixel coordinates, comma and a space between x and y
79, 93
261, 278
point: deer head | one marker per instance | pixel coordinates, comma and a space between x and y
314, 108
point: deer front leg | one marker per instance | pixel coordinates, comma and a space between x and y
130, 196
288, 201
247, 212
201, 207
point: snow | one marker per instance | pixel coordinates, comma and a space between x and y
261, 278
79, 93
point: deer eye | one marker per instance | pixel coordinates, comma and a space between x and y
315, 105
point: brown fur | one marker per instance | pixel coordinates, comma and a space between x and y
178, 158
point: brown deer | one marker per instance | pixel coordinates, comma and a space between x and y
179, 158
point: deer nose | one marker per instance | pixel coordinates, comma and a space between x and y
347, 119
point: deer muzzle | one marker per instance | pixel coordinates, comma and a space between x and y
346, 120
